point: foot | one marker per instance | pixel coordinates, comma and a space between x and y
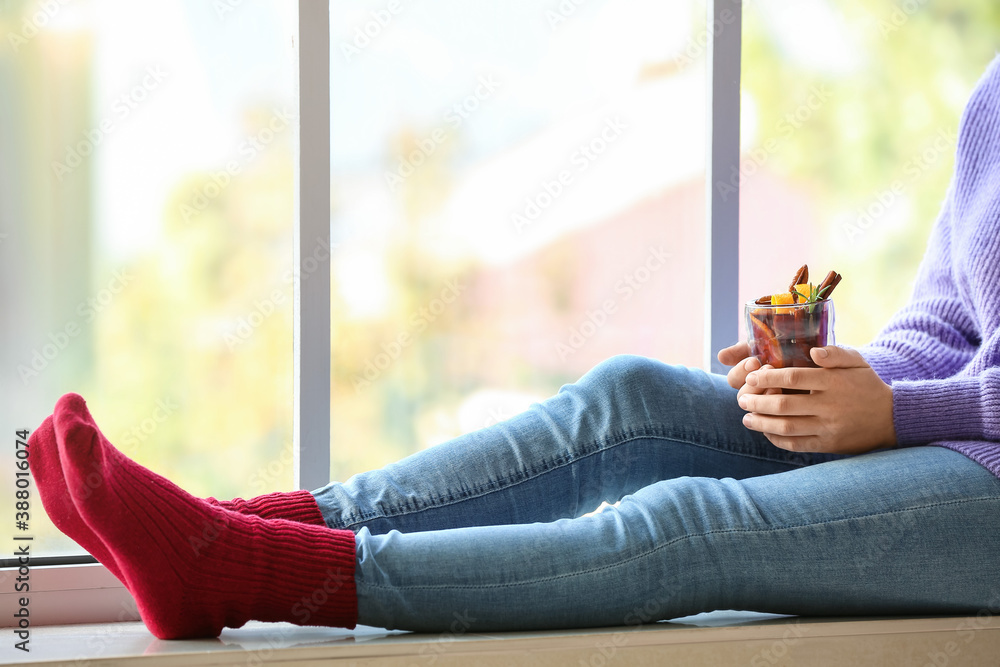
194, 567
46, 469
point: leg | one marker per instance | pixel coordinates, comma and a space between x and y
895, 532
626, 424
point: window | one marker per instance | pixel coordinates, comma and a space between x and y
147, 215
518, 193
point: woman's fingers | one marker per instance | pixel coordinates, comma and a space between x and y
781, 426
789, 378
778, 404
748, 389
738, 374
805, 443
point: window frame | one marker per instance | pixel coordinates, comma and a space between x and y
311, 223
722, 215
70, 591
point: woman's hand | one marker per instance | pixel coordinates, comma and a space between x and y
849, 409
738, 356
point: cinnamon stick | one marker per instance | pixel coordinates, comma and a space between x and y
833, 285
829, 283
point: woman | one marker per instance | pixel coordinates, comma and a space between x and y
733, 496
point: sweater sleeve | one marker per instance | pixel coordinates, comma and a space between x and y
958, 408
934, 335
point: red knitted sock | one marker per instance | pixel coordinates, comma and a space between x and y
193, 567
291, 505
46, 469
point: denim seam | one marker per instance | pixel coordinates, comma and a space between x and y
518, 477
674, 541
549, 465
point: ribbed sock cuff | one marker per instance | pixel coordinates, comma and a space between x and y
292, 506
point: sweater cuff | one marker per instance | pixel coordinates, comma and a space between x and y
924, 411
882, 361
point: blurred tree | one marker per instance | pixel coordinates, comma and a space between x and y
206, 330
897, 83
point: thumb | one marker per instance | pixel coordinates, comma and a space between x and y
832, 356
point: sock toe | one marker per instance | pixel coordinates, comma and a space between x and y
80, 448
46, 468
43, 460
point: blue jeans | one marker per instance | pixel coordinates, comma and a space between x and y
487, 532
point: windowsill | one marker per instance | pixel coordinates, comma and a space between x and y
718, 638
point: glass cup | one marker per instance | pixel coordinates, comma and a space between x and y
782, 335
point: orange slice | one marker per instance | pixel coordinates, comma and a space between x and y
806, 290
784, 298
768, 350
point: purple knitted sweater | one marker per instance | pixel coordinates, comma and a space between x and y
941, 352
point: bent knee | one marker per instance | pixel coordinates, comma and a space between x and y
632, 382
629, 371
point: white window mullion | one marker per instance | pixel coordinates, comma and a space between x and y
312, 249
722, 232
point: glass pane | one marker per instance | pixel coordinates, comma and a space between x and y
146, 213
518, 193
850, 113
